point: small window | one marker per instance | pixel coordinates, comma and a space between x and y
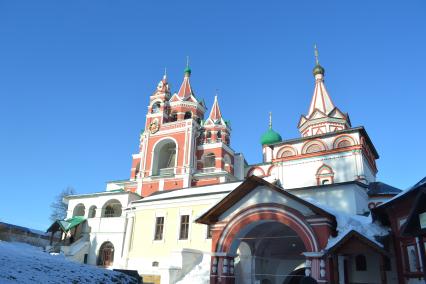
92, 211
173, 117
79, 210
155, 264
219, 134
188, 115
387, 265
159, 225
209, 160
360, 263
325, 181
184, 227
112, 209
209, 232
156, 108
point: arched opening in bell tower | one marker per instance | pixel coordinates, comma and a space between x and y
164, 158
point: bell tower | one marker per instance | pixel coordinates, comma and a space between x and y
176, 140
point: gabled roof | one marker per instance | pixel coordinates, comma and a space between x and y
360, 238
67, 224
379, 212
413, 227
248, 185
380, 188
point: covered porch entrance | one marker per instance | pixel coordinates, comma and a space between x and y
263, 234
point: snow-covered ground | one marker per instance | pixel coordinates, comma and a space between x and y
22, 263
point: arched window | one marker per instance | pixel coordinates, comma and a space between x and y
164, 160
92, 211
227, 161
286, 151
209, 136
156, 108
313, 148
360, 262
325, 175
343, 144
79, 210
112, 209
188, 115
209, 160
173, 117
219, 135
106, 254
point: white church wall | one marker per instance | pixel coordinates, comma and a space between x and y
302, 172
348, 198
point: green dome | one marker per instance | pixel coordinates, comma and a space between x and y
318, 70
270, 137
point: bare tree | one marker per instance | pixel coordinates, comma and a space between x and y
59, 207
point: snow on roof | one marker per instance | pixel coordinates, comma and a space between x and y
404, 192
23, 263
190, 191
346, 223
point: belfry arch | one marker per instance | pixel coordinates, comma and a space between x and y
164, 157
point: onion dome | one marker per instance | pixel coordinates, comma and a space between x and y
318, 69
270, 136
187, 71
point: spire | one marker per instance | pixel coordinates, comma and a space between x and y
323, 116
185, 90
270, 120
321, 99
215, 113
163, 85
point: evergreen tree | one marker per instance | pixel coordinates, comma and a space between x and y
59, 207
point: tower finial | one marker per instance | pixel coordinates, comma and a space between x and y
270, 120
187, 68
165, 73
316, 54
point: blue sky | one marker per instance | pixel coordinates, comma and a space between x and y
75, 77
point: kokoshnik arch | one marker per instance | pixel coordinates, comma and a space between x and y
194, 209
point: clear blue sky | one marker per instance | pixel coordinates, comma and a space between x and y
75, 77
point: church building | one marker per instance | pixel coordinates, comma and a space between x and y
194, 211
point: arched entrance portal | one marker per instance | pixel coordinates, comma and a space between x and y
268, 252
106, 254
266, 242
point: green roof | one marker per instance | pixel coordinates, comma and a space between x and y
270, 137
70, 223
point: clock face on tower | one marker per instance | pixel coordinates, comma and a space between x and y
153, 126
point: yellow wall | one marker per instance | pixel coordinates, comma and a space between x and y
143, 244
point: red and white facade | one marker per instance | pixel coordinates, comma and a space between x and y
282, 218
